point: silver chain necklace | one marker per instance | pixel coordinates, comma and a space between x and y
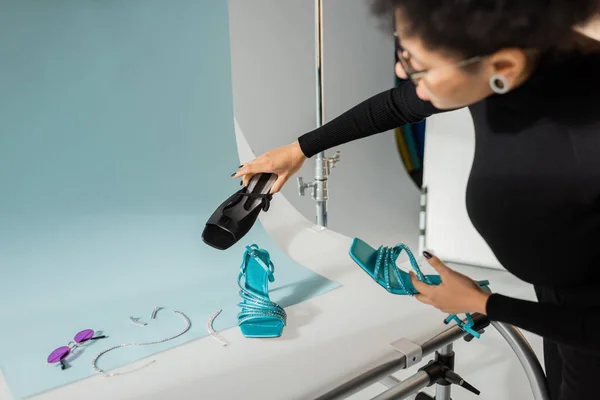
188, 324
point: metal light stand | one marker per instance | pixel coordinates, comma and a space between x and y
423, 219
323, 164
440, 370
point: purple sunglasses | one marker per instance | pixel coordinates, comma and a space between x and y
61, 353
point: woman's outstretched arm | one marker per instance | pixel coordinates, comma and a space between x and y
380, 113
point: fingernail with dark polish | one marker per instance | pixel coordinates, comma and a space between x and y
240, 166
427, 254
232, 175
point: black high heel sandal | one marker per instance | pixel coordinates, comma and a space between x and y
234, 218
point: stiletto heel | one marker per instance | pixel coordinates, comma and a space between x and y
259, 317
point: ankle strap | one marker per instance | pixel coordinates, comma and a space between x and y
255, 252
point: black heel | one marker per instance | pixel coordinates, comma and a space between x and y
235, 216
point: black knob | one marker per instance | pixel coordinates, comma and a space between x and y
424, 396
454, 378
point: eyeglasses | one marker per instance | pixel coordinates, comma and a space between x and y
61, 353
415, 75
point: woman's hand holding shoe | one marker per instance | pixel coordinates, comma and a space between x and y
284, 161
456, 294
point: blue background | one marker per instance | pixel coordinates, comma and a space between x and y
116, 145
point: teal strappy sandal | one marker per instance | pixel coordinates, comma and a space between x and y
259, 317
380, 264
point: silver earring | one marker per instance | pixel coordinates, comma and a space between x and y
496, 81
156, 308
137, 321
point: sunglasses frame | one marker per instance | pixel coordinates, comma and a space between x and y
69, 347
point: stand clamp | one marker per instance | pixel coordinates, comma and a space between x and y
323, 170
479, 327
323, 166
441, 372
303, 186
412, 351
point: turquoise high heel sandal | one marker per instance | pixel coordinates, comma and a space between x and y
259, 317
380, 264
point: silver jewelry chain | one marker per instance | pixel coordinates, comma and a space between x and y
100, 371
211, 330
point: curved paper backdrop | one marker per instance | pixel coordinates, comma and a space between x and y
116, 144
448, 158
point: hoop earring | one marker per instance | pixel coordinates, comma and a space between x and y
494, 84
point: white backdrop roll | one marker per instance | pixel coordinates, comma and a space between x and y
274, 93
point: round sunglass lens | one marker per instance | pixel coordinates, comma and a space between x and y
84, 335
59, 354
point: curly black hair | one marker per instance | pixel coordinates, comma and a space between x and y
479, 27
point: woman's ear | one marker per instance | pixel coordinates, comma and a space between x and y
511, 63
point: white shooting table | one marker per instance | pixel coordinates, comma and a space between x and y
326, 341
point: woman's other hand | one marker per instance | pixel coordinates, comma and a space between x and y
284, 161
456, 294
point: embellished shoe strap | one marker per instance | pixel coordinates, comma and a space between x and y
253, 305
386, 263
413, 262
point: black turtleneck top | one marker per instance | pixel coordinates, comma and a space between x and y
534, 188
